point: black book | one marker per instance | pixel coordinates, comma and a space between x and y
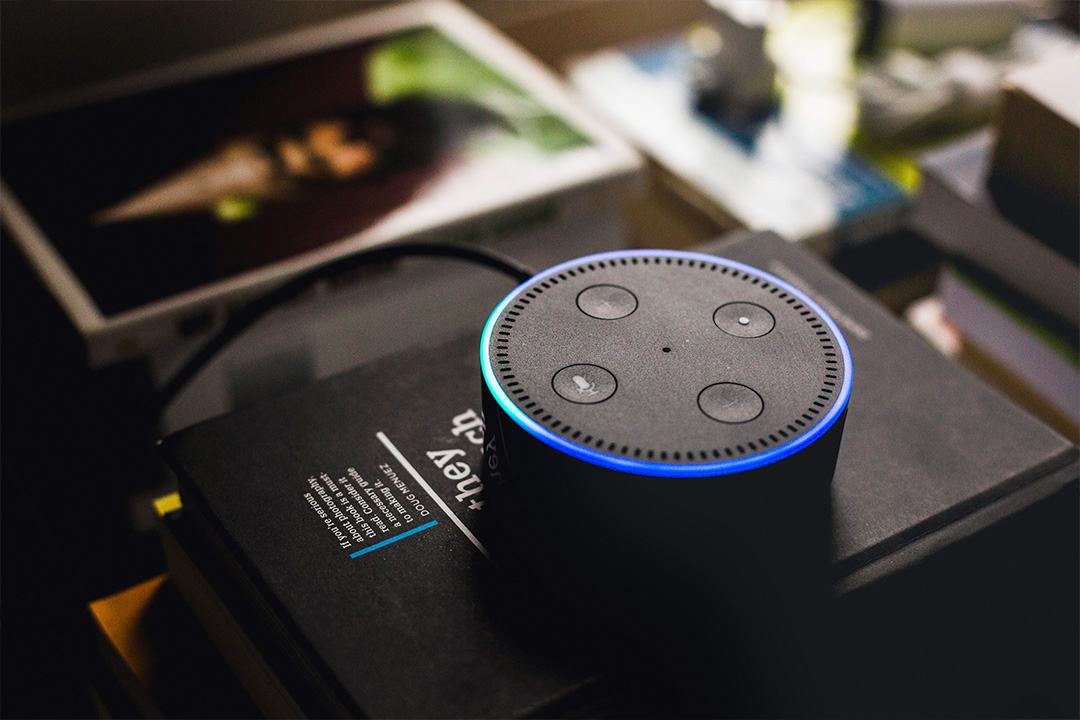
956, 212
930, 453
351, 512
339, 525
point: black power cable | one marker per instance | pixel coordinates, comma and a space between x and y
244, 318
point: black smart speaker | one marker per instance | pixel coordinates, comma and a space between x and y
663, 364
669, 423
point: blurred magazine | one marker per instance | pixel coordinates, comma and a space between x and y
155, 200
788, 166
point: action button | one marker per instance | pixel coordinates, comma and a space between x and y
606, 302
730, 403
743, 319
585, 384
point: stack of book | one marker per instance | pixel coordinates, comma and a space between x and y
342, 572
338, 548
1004, 207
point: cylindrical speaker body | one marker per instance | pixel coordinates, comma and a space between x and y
668, 424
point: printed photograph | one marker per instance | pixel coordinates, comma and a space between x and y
159, 193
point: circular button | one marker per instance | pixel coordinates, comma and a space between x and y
730, 403
585, 384
606, 302
743, 319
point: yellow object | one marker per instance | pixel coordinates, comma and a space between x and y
167, 503
119, 617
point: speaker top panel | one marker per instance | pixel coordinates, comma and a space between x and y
666, 363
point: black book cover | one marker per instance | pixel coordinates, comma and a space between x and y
930, 453
354, 506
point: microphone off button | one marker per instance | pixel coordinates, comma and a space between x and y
584, 384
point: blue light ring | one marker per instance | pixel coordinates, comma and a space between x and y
641, 467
